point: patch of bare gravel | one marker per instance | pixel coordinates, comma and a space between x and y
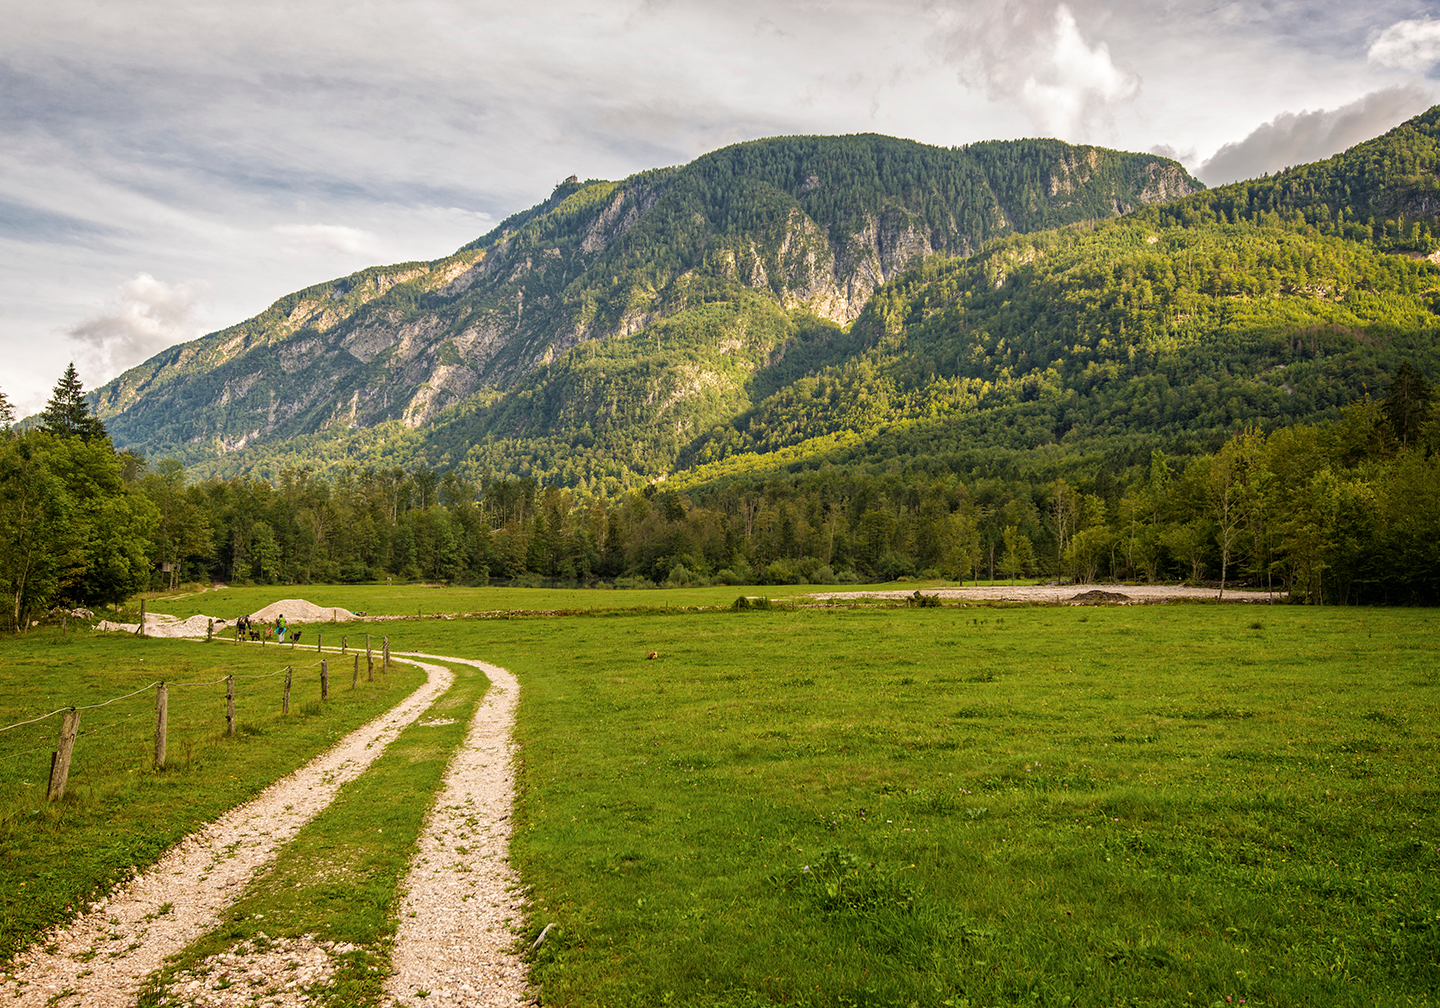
1058, 594
100, 959
262, 973
461, 909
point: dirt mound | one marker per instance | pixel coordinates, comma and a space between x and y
161, 625
299, 611
1098, 597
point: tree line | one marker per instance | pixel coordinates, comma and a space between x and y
1346, 512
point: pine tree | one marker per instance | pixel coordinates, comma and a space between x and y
1407, 405
67, 414
7, 413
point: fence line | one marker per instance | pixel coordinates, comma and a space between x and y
142, 689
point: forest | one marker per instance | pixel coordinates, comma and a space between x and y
1344, 512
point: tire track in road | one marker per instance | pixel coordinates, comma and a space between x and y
461, 908
100, 959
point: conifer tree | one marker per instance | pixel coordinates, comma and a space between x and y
67, 414
7, 413
1407, 405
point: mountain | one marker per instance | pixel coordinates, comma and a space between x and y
1384, 192
664, 302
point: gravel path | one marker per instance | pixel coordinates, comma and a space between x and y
100, 959
461, 896
1060, 593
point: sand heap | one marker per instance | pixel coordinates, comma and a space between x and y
161, 625
295, 610
299, 611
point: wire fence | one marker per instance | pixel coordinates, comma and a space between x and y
148, 727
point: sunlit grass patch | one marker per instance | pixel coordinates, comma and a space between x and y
1149, 805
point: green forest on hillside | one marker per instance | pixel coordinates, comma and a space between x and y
1346, 512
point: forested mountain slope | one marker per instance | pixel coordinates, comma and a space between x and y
1120, 337
1384, 192
744, 248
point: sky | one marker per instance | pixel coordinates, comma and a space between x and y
171, 167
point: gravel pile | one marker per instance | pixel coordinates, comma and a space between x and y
297, 610
161, 625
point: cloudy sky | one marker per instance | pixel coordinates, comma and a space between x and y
168, 168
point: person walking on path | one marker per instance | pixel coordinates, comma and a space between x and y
280, 628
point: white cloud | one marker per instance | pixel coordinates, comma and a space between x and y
1077, 81
1032, 53
312, 239
1409, 45
145, 317
1293, 138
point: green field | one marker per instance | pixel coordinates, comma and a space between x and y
1139, 805
1151, 805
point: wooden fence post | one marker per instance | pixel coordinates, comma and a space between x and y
209, 630
318, 638
60, 759
140, 627
230, 705
162, 706
355, 676
285, 704
369, 666
344, 642
324, 680
385, 663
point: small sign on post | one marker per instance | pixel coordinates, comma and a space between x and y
60, 759
324, 680
230, 705
162, 703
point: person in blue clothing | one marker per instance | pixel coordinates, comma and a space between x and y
280, 628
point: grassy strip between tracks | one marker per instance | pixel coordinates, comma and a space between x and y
119, 812
336, 882
1161, 805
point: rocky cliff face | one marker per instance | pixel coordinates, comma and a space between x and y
813, 224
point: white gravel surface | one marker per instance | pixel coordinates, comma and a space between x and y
100, 959
461, 907
1058, 593
262, 973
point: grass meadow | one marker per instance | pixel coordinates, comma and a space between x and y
863, 805
1158, 805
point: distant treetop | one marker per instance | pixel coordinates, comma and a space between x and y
67, 414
